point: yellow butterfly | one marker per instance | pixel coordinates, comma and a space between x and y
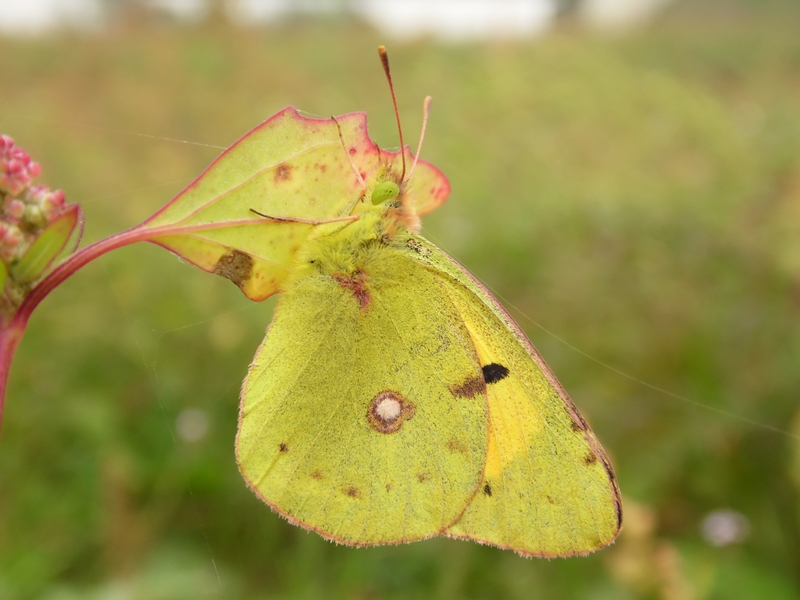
393, 398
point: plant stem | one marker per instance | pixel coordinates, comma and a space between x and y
11, 334
10, 338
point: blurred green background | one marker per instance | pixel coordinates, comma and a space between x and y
637, 194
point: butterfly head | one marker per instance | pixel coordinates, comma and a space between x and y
390, 197
385, 190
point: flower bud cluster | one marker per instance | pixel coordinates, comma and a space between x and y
25, 209
17, 170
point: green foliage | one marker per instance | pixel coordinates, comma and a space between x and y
638, 196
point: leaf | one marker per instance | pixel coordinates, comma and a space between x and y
47, 246
296, 170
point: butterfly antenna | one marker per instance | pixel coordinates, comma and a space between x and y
385, 62
350, 160
426, 109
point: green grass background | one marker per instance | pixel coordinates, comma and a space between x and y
638, 195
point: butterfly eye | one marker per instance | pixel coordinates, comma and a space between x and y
385, 190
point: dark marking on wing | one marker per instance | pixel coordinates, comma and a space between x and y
355, 282
283, 173
423, 477
284, 447
494, 372
576, 426
487, 489
236, 266
472, 387
353, 492
416, 246
316, 475
590, 458
456, 446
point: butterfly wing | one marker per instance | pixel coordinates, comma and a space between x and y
343, 364
548, 488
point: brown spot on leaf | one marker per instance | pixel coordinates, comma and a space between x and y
353, 492
236, 266
388, 410
470, 388
284, 447
355, 282
590, 458
283, 173
456, 446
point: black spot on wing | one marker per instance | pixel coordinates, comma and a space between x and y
487, 489
494, 372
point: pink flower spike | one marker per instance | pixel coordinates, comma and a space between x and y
52, 202
15, 209
11, 240
34, 169
13, 236
17, 170
38, 194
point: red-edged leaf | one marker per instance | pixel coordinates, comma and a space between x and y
290, 167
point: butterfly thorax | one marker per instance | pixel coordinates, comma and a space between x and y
355, 251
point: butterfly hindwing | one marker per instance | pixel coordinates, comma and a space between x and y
360, 417
548, 488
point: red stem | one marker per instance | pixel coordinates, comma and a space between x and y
10, 338
11, 335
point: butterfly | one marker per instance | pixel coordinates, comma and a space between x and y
393, 399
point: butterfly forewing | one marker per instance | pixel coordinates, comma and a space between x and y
548, 487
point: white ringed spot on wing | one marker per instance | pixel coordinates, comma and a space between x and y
388, 410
